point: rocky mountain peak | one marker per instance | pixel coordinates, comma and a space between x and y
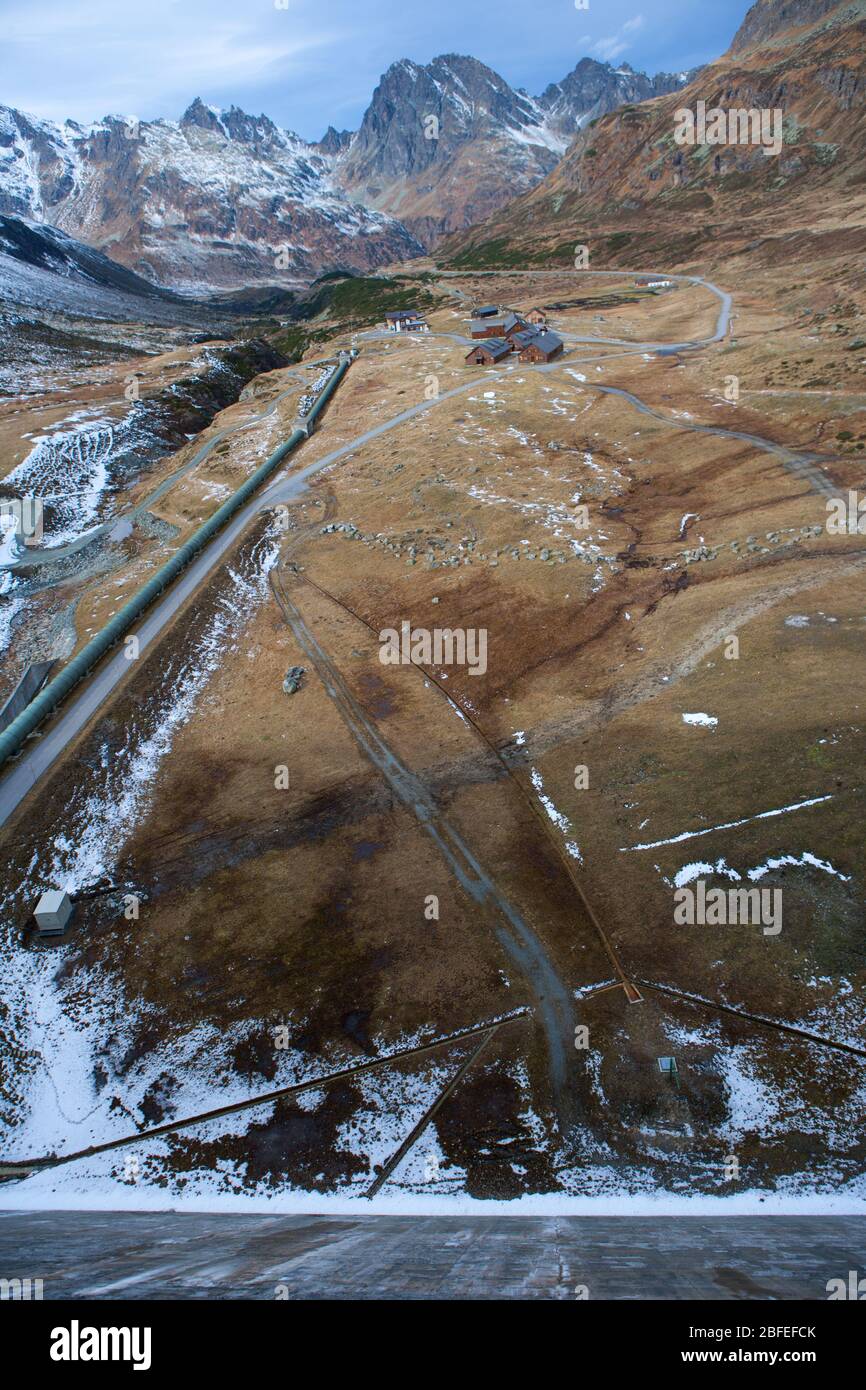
487, 143
334, 141
592, 89
771, 19
197, 114
232, 124
468, 100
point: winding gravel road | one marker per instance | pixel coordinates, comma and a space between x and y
524, 948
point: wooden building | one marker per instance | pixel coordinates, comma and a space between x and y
522, 338
500, 326
486, 354
537, 317
514, 324
541, 347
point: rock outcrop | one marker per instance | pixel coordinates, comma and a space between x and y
445, 145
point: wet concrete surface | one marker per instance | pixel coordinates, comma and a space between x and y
190, 1255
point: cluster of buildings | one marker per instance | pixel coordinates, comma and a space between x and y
498, 333
501, 331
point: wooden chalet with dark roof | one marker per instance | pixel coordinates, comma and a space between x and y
501, 326
488, 353
540, 347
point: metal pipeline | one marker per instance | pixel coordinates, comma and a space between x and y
13, 737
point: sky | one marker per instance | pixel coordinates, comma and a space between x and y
309, 64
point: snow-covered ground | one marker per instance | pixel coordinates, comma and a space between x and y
58, 1030
100, 1184
69, 467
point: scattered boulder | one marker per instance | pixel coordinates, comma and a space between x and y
294, 676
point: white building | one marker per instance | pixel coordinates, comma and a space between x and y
53, 912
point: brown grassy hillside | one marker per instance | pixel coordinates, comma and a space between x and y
637, 198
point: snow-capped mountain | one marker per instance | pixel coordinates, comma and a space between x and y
216, 200
443, 146
592, 89
465, 99
221, 199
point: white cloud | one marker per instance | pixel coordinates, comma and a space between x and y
610, 48
125, 62
615, 44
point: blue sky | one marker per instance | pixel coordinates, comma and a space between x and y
316, 62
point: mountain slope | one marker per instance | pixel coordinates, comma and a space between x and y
222, 199
41, 246
768, 20
635, 196
207, 202
444, 145
65, 307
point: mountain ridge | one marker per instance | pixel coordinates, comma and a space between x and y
627, 182
207, 202
211, 201
489, 141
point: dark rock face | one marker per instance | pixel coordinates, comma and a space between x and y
164, 422
445, 145
54, 164
592, 89
198, 114
334, 141
769, 18
468, 100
